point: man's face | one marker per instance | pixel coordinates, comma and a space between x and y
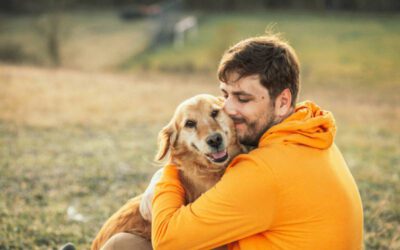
248, 103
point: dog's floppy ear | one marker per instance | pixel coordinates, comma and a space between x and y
166, 138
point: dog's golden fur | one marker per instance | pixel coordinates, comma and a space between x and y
188, 141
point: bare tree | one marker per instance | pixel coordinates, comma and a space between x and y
52, 28
49, 28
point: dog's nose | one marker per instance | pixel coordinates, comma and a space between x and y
214, 140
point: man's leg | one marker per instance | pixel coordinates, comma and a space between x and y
127, 241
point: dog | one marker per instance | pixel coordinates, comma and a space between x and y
200, 140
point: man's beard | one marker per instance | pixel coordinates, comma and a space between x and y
254, 133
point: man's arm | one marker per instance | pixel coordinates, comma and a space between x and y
241, 204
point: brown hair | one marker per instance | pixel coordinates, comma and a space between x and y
267, 56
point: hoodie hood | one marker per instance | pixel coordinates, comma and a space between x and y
309, 125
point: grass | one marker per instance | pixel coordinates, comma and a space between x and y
83, 141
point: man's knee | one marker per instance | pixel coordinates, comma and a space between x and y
127, 241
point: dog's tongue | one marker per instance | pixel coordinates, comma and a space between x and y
218, 155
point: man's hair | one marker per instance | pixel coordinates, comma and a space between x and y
269, 57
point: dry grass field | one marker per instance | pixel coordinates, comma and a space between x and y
76, 144
74, 141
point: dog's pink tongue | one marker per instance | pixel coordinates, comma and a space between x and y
218, 155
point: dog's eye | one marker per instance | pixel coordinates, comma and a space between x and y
190, 124
214, 113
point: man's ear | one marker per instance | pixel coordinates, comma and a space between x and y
166, 139
283, 103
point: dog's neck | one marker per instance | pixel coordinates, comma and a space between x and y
197, 178
197, 182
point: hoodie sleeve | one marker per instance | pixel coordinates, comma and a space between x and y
241, 204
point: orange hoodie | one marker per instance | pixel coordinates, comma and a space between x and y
294, 191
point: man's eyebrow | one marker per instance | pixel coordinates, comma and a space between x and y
236, 93
241, 93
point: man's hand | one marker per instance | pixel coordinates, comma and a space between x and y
145, 203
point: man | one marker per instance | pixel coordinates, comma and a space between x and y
293, 191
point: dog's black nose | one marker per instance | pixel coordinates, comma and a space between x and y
214, 140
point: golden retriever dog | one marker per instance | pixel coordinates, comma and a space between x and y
200, 140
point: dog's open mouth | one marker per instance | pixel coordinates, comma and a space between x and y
220, 156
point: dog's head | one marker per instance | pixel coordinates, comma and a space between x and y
199, 132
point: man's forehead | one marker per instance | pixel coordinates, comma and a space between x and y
245, 85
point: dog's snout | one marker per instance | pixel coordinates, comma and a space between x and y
214, 140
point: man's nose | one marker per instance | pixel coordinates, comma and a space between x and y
229, 108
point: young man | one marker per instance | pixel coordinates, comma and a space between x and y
293, 191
